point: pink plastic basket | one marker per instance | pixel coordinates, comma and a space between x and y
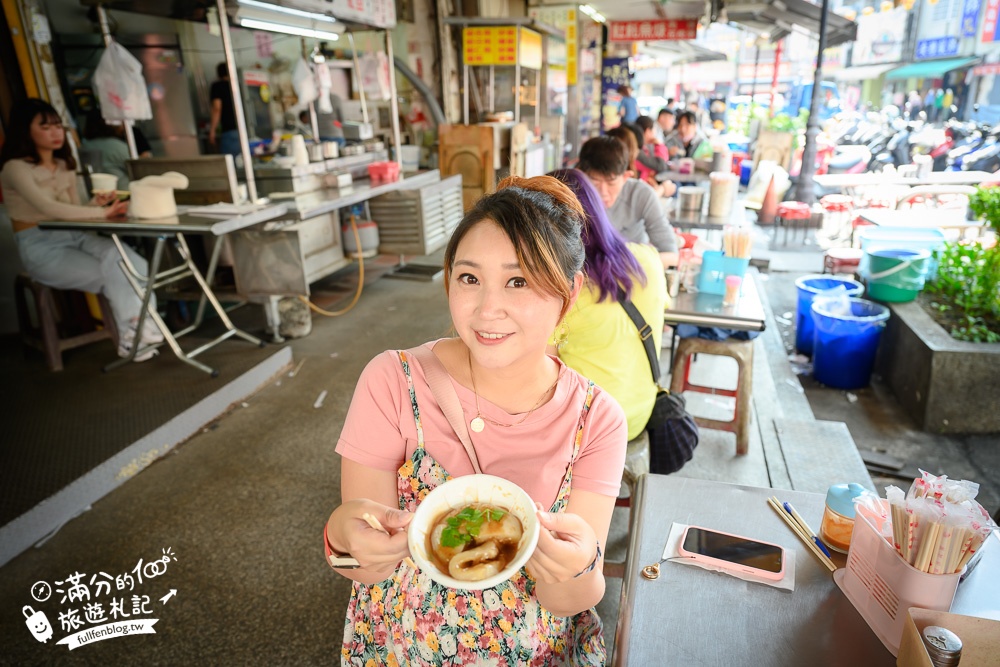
882, 586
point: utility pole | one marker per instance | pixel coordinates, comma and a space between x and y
805, 191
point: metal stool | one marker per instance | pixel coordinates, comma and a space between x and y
742, 352
636, 465
792, 212
46, 335
842, 260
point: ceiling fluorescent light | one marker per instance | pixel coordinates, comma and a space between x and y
254, 24
291, 11
592, 13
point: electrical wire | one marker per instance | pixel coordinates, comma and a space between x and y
361, 280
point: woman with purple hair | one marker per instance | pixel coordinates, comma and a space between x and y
599, 340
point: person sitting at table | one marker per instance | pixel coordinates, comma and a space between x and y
632, 205
39, 183
599, 339
688, 136
653, 155
513, 268
633, 137
666, 122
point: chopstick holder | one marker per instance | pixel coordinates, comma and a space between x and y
672, 555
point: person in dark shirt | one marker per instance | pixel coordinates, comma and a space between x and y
223, 114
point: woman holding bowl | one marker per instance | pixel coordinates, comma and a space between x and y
513, 269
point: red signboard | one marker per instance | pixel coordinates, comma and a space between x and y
652, 30
988, 69
990, 20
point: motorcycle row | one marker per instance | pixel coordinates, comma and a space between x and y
873, 141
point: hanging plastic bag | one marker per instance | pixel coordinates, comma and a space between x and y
325, 84
304, 83
120, 86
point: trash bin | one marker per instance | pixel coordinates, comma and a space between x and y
897, 275
844, 346
809, 287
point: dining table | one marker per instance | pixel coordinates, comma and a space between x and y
217, 221
691, 616
876, 179
928, 218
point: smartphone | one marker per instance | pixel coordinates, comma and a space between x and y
733, 552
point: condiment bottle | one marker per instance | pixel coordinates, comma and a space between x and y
838, 517
943, 646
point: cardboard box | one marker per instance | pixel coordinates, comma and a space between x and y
980, 638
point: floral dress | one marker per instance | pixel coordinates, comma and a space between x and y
408, 619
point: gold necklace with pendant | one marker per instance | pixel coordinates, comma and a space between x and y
478, 422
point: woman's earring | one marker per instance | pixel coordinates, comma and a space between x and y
563, 334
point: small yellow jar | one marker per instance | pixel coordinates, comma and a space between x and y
838, 517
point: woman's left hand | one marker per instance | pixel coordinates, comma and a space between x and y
566, 546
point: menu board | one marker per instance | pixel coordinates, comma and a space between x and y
497, 45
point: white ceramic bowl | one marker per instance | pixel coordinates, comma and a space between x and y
458, 493
103, 183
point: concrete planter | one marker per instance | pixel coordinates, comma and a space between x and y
946, 385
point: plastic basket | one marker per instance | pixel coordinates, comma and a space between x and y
715, 267
899, 238
882, 586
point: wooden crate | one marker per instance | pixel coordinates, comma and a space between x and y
420, 220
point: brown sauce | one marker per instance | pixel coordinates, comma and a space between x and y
507, 550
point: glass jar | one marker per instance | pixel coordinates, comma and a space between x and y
838, 517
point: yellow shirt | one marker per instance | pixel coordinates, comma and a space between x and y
603, 344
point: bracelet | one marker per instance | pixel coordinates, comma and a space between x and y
593, 563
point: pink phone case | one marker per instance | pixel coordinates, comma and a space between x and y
728, 565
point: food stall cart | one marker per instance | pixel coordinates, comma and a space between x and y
496, 54
283, 257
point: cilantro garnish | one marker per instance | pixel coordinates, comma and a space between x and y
466, 525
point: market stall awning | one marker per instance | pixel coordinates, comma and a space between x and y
681, 52
863, 72
930, 68
777, 17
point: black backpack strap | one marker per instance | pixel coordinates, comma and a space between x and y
645, 333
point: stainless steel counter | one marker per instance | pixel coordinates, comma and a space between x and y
326, 200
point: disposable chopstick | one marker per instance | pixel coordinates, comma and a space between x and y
377, 525
776, 506
805, 527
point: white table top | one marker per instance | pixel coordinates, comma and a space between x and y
183, 223
932, 218
877, 178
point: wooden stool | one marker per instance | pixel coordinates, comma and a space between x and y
742, 352
636, 465
46, 335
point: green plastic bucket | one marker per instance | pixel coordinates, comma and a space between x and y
896, 275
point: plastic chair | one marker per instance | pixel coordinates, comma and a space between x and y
46, 335
936, 196
792, 213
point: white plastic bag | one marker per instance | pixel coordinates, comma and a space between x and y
120, 86
304, 83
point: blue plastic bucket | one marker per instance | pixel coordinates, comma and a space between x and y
746, 166
895, 275
809, 287
844, 346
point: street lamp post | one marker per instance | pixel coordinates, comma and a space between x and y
805, 191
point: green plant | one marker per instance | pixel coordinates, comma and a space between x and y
985, 203
465, 525
967, 290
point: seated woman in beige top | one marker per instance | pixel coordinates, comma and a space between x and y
39, 183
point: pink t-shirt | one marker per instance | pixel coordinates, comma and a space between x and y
379, 432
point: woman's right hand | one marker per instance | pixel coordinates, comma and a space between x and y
116, 211
373, 549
